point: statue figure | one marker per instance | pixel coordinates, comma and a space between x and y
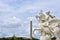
47, 26
42, 26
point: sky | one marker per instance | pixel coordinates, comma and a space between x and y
15, 15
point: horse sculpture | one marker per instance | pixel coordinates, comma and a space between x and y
47, 26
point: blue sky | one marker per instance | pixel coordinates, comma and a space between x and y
14, 15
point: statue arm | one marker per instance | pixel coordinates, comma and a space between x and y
36, 30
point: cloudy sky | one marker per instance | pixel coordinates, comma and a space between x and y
14, 15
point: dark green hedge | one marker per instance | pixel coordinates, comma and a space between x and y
21, 38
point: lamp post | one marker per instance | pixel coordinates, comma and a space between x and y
31, 28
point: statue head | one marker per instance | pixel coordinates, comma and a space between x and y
41, 16
48, 12
53, 17
41, 12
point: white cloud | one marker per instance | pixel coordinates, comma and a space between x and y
10, 22
5, 8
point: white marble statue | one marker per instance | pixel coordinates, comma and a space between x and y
45, 34
48, 25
